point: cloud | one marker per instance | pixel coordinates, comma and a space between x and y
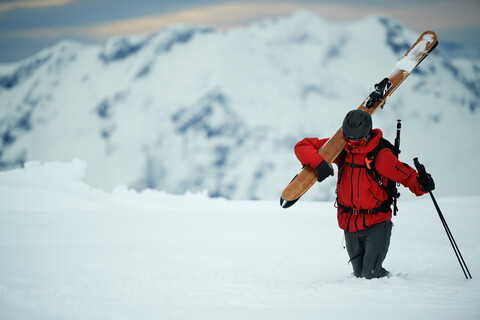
30, 4
222, 16
443, 15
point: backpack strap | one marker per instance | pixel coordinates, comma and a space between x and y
370, 165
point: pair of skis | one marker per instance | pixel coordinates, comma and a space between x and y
300, 184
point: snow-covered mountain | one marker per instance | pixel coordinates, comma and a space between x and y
194, 108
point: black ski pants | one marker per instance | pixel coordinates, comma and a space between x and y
368, 248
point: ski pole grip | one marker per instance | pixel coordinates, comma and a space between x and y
420, 167
397, 138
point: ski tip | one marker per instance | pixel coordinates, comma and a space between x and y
287, 203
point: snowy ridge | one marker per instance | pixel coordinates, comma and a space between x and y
193, 108
69, 251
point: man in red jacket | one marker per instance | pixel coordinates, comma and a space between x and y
364, 211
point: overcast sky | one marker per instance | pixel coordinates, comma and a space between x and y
27, 26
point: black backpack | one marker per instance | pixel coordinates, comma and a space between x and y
390, 188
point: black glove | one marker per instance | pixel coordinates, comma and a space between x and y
323, 170
426, 183
424, 179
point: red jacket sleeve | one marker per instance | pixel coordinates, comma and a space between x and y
307, 151
389, 166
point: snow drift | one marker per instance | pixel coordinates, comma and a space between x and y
70, 251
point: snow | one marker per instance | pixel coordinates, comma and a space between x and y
69, 251
406, 64
410, 60
421, 45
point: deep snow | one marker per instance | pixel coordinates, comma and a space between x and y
68, 251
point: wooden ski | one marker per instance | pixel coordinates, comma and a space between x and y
300, 184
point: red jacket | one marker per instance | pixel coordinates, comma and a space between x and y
357, 189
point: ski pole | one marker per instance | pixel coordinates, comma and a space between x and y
452, 240
421, 170
397, 150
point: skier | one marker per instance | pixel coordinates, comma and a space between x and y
364, 211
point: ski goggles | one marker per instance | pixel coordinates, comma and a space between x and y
356, 143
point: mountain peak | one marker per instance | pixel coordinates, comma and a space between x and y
120, 47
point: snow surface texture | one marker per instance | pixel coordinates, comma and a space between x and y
194, 108
68, 251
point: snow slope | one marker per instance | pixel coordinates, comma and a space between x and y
69, 251
194, 108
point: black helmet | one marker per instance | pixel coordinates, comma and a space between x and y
356, 125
